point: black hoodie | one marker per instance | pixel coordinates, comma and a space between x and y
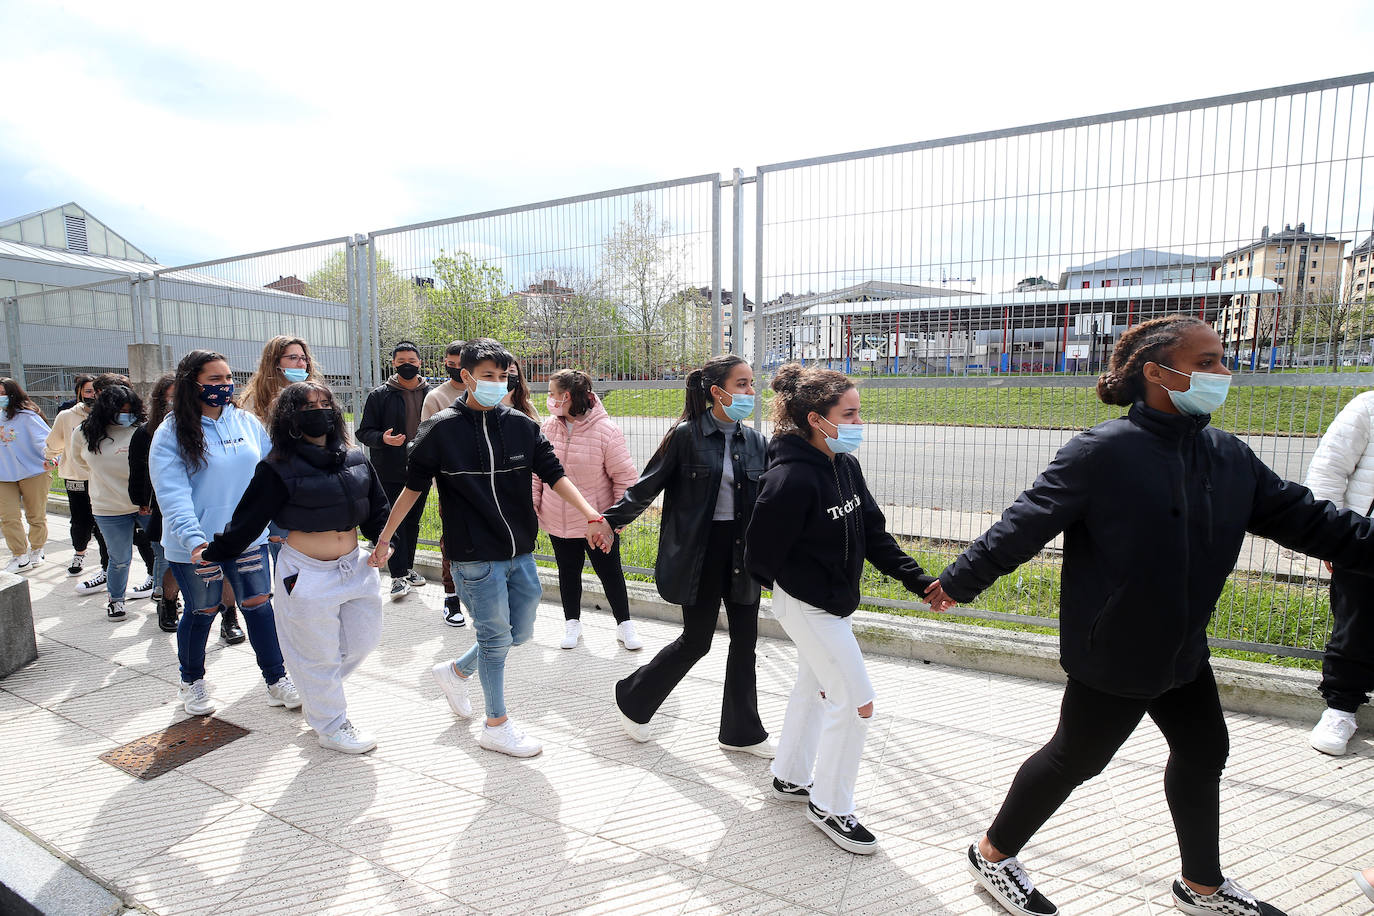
814, 525
1154, 508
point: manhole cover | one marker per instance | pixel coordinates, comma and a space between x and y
152, 755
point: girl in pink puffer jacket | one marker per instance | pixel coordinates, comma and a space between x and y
596, 459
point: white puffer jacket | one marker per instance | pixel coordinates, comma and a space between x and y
1342, 468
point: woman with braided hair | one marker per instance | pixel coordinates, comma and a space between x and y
1153, 508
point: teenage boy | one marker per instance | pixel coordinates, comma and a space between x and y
483, 455
391, 418
441, 398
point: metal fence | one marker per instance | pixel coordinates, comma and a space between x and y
975, 284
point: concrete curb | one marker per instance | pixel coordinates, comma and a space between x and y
54, 884
1249, 687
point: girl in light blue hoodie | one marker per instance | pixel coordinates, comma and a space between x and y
23, 476
201, 460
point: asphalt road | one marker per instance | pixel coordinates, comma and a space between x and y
963, 468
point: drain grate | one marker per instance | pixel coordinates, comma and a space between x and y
152, 755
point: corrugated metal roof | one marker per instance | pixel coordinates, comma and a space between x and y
43, 255
1193, 289
1142, 258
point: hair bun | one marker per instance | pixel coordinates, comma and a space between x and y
786, 378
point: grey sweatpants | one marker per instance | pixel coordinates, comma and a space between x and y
327, 623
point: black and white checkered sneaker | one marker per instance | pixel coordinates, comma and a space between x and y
1009, 885
1229, 900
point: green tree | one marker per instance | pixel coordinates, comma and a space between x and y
469, 299
398, 299
642, 272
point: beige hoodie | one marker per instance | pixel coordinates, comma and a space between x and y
109, 471
61, 445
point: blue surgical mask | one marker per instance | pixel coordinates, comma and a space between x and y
125, 419
1206, 392
295, 375
739, 408
848, 437
489, 394
4, 400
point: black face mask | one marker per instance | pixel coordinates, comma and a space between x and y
512, 382
407, 371
316, 422
455, 373
89, 402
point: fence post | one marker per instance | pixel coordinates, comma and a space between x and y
373, 310
737, 238
163, 356
715, 267
12, 337
758, 290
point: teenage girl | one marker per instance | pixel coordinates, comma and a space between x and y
814, 525
1153, 508
596, 459
708, 468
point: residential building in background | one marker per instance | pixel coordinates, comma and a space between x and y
1359, 272
1139, 267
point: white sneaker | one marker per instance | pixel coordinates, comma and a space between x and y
18, 564
144, 590
765, 748
1332, 732
455, 689
572, 632
37, 556
637, 731
284, 693
95, 583
196, 698
625, 634
507, 739
348, 740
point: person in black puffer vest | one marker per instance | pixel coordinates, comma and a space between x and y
1154, 507
328, 608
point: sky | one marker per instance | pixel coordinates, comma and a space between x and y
204, 130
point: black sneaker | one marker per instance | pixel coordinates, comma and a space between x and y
229, 629
399, 588
167, 614
78, 561
785, 791
453, 612
1009, 885
1229, 900
114, 610
415, 579
846, 832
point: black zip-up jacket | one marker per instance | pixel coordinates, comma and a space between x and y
688, 471
385, 409
815, 524
141, 482
483, 462
1153, 507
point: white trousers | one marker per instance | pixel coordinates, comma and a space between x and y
823, 734
327, 623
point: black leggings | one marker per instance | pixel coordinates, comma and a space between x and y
570, 554
1348, 664
1092, 726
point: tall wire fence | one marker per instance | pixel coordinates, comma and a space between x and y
975, 285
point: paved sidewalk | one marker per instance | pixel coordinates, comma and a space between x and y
430, 823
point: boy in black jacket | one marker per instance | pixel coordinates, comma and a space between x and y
1153, 507
390, 420
483, 455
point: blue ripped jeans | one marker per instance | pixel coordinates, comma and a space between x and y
501, 597
201, 589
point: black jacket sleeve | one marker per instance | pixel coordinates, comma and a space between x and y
370, 427
422, 455
881, 548
379, 507
1288, 513
657, 475
1054, 501
545, 461
265, 492
140, 482
780, 514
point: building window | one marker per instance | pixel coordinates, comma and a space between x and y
1314, 263
1106, 283
1282, 249
1086, 284
1280, 265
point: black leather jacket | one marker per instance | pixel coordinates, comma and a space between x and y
688, 471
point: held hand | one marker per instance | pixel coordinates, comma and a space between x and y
936, 597
600, 536
49, 463
1327, 564
198, 555
380, 554
144, 510
391, 437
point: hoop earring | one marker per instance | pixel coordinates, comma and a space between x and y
294, 432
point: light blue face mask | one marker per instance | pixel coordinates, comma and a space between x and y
489, 394
4, 401
1206, 392
849, 436
125, 419
296, 375
740, 407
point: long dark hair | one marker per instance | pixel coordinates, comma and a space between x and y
520, 394
186, 406
1124, 382
698, 399
158, 396
283, 427
19, 399
109, 404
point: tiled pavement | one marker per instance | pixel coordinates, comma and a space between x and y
430, 823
